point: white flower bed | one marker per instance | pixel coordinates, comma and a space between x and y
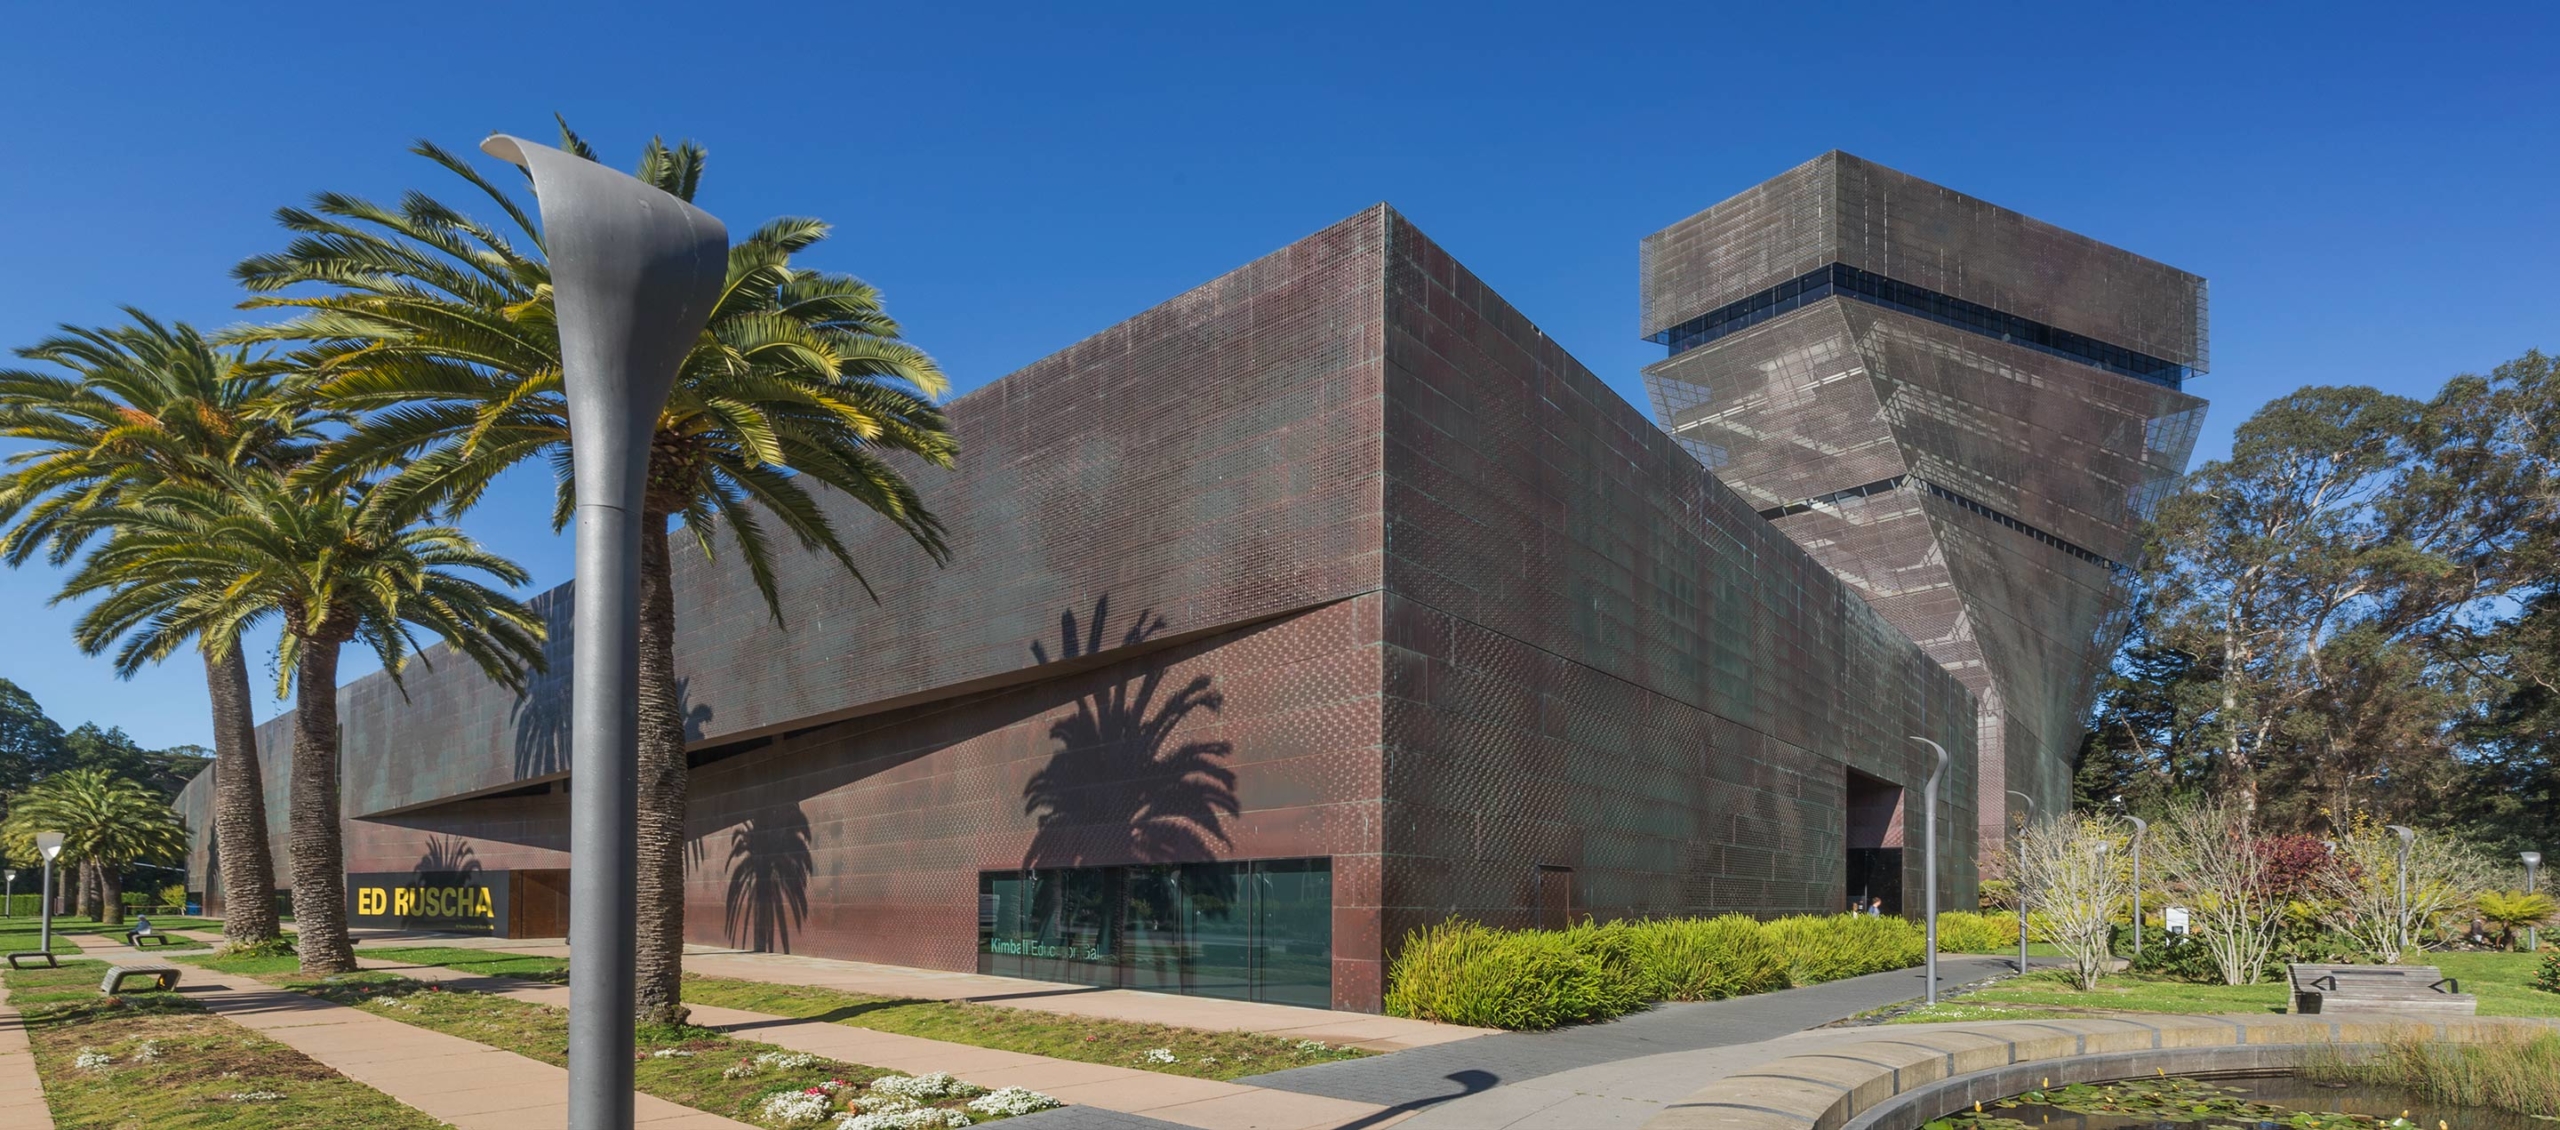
671, 1053
795, 1108
256, 1096
912, 1118
925, 1088
1157, 1055
149, 1052
1313, 1047
1012, 1101
94, 1060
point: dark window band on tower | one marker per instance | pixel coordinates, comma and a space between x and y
1866, 286
1881, 486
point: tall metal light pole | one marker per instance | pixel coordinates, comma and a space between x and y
48, 845
2140, 826
2532, 865
8, 901
634, 273
1929, 858
2408, 836
2022, 881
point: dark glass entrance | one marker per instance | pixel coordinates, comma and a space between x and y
1253, 930
1874, 842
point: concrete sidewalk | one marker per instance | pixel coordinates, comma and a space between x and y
1175, 1099
1598, 1076
1357, 1029
21, 1090
471, 1086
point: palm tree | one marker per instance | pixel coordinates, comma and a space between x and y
2511, 911
439, 328
107, 823
337, 564
136, 407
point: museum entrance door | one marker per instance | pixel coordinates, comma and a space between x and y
1874, 841
540, 908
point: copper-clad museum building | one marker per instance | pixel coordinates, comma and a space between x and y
1324, 601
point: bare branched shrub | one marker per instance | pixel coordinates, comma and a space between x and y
2212, 862
2366, 900
2076, 878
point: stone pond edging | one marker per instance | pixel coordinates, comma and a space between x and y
1905, 1076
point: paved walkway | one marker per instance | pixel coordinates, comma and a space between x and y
1601, 1075
21, 1091
470, 1085
1358, 1029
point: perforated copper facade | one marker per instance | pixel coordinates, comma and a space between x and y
1335, 556
1978, 492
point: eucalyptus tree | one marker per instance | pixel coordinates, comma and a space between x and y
437, 328
332, 564
131, 408
107, 823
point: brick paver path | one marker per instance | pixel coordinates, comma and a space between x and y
21, 1092
472, 1086
1358, 1029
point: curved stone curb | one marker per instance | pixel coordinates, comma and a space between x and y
1903, 1078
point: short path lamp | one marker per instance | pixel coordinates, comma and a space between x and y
2022, 879
634, 273
1929, 858
48, 845
2532, 866
2408, 838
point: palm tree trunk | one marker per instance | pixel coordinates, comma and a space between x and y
111, 893
240, 806
659, 954
319, 879
88, 906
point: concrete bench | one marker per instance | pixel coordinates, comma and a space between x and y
2330, 990
49, 961
135, 938
164, 976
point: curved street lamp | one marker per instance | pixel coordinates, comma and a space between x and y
1929, 857
2532, 865
2030, 802
48, 845
10, 897
634, 274
2140, 826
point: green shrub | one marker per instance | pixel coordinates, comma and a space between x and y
2547, 978
1705, 959
1964, 931
1460, 972
1822, 948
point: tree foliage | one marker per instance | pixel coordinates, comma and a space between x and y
2354, 612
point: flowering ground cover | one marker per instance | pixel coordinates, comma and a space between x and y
2502, 982
1152, 1047
159, 1060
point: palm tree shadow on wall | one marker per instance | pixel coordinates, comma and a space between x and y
768, 880
448, 855
1119, 787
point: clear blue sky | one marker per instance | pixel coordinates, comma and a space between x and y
2369, 187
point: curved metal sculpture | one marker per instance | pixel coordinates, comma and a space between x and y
634, 274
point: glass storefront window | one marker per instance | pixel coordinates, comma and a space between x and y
1246, 930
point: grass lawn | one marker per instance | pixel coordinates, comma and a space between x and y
694, 1067
14, 940
1120, 1043
175, 1065
486, 962
2502, 981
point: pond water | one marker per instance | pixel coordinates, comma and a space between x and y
2272, 1102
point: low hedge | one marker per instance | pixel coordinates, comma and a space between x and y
1461, 972
1965, 931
